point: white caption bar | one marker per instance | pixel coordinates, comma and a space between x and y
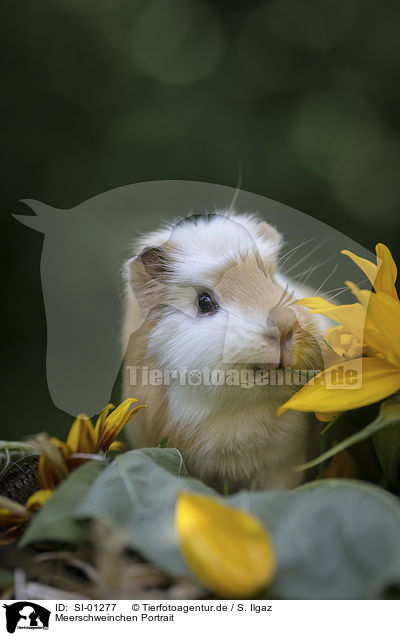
177, 617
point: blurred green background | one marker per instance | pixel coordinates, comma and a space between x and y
102, 93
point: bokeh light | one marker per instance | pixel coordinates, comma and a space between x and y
177, 41
302, 96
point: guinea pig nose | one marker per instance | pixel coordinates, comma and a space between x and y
282, 329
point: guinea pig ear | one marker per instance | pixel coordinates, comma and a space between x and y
155, 261
150, 265
269, 233
271, 239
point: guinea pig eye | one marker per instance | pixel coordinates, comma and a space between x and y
206, 303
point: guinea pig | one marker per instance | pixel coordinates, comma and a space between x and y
210, 325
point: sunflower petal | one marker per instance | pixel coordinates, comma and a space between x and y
10, 535
384, 312
98, 430
12, 513
38, 499
7, 517
117, 446
362, 295
352, 317
81, 435
387, 272
379, 379
229, 550
375, 343
325, 417
115, 422
383, 317
369, 269
52, 465
46, 477
345, 344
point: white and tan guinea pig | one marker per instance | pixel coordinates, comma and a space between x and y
204, 293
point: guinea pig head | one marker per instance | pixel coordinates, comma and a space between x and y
266, 329
211, 291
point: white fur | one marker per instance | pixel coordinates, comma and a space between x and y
226, 433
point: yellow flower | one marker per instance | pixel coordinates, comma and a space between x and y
14, 516
84, 442
229, 550
344, 343
382, 275
369, 328
57, 459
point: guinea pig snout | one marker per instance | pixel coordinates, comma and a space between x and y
278, 335
281, 325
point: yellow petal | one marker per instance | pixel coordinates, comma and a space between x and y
52, 466
81, 436
10, 535
387, 272
345, 344
38, 499
352, 317
11, 512
117, 446
375, 343
101, 419
8, 518
382, 276
115, 422
325, 417
47, 478
111, 422
362, 295
383, 316
384, 312
379, 379
229, 550
369, 269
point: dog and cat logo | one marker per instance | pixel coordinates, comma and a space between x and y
26, 615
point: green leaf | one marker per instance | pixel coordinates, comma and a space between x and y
136, 496
389, 415
335, 539
56, 521
169, 458
331, 423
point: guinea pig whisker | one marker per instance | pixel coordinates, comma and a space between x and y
326, 279
341, 290
303, 275
330, 291
291, 302
285, 294
309, 271
317, 247
291, 252
237, 190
